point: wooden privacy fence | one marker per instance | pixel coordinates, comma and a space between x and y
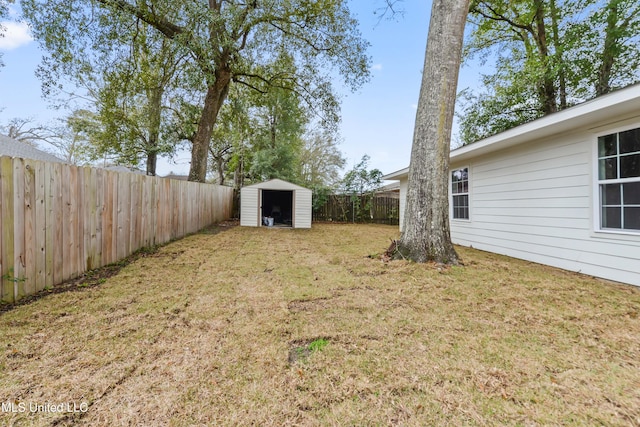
338, 207
58, 221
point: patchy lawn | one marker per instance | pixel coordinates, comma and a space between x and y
283, 327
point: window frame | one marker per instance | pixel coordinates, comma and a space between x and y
467, 193
599, 183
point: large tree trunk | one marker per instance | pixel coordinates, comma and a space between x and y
547, 89
216, 94
608, 55
426, 235
220, 167
152, 160
559, 55
154, 96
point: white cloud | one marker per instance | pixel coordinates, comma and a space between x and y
16, 34
376, 67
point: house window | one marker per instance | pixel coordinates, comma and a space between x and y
460, 193
619, 180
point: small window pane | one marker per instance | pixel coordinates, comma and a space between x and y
461, 213
607, 145
461, 207
609, 168
460, 181
631, 193
630, 166
632, 218
611, 194
611, 218
630, 141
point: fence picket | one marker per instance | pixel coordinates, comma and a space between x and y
58, 220
18, 275
29, 283
40, 227
341, 208
6, 169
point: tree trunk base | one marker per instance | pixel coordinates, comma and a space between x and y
397, 251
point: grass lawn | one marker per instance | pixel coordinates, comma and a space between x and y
301, 327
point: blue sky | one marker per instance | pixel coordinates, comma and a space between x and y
377, 120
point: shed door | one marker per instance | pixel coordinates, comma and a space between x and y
278, 204
249, 215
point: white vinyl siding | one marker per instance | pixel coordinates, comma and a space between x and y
302, 209
404, 187
535, 202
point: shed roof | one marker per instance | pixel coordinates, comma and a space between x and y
613, 106
14, 148
276, 184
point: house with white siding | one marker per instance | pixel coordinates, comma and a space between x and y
563, 190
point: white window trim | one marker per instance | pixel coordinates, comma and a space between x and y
596, 206
451, 170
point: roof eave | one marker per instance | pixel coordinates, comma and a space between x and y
587, 114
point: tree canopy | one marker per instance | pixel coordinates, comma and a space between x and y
224, 43
549, 55
4, 12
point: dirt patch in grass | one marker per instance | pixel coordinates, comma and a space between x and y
305, 327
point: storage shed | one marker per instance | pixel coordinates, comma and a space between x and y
275, 203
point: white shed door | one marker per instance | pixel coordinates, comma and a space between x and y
249, 216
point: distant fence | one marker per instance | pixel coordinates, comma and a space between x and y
58, 221
341, 208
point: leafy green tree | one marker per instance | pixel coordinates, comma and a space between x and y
263, 134
227, 42
320, 160
127, 72
75, 141
523, 86
549, 55
320, 164
361, 184
609, 55
131, 102
279, 122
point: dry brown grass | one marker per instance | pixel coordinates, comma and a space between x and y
215, 330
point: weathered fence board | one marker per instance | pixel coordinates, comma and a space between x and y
18, 274
6, 186
57, 221
41, 229
342, 208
